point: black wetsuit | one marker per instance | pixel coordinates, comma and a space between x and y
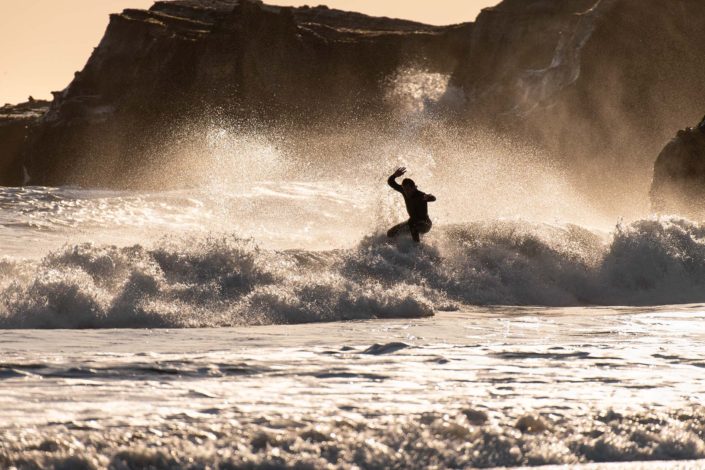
417, 207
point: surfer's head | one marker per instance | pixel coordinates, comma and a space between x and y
408, 185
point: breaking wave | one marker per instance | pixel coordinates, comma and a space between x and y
204, 281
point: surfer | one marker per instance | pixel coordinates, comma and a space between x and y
416, 205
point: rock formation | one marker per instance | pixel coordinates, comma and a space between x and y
679, 175
599, 85
15, 123
184, 59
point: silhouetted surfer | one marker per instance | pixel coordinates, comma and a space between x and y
416, 205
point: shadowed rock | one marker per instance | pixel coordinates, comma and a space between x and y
679, 174
15, 123
598, 84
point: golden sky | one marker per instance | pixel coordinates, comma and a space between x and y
43, 42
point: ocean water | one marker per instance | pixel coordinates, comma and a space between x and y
261, 319
194, 329
482, 387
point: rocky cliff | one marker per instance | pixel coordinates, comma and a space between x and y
181, 60
598, 85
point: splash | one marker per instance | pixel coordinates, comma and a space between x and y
213, 281
412, 90
477, 174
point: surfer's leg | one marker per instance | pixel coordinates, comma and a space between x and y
394, 231
419, 227
415, 235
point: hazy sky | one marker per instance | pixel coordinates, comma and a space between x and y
43, 42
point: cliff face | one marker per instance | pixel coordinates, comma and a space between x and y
243, 60
15, 124
521, 52
600, 84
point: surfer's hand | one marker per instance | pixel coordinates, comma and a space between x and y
429, 197
400, 171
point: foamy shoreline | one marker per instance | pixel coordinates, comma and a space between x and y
480, 387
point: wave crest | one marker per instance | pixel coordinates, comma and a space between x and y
229, 281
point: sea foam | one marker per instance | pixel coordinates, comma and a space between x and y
224, 280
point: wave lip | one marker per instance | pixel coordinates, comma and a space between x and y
226, 281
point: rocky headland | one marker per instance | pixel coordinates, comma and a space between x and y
599, 85
181, 60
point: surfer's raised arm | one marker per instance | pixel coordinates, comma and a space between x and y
429, 197
391, 180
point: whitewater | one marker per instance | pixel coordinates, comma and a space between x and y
260, 318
